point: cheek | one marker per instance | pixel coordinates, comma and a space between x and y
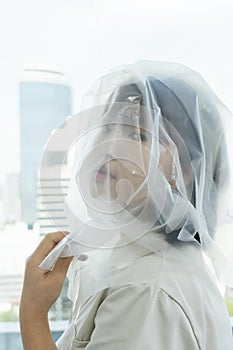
165, 163
146, 160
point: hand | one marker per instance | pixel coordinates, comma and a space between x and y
42, 287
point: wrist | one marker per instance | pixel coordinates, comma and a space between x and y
30, 307
31, 313
35, 332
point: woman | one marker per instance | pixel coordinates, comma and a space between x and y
150, 170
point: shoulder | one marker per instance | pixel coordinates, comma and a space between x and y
140, 314
149, 298
144, 270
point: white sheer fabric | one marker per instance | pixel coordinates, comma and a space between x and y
152, 156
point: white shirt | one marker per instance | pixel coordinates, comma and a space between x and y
165, 301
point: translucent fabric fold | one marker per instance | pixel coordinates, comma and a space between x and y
151, 168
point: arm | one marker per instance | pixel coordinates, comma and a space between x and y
40, 290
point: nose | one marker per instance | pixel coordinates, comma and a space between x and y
117, 131
110, 157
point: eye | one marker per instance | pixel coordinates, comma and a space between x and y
107, 128
143, 137
135, 136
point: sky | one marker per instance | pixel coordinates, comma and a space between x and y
84, 39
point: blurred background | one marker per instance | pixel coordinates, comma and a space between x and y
51, 51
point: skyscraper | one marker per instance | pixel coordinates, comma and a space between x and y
11, 198
53, 182
45, 102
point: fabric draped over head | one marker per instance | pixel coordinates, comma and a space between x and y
151, 169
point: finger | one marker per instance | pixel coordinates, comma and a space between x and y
47, 244
61, 266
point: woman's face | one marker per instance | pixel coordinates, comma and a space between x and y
105, 180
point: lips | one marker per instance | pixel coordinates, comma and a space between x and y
103, 172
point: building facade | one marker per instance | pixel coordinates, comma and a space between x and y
45, 102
